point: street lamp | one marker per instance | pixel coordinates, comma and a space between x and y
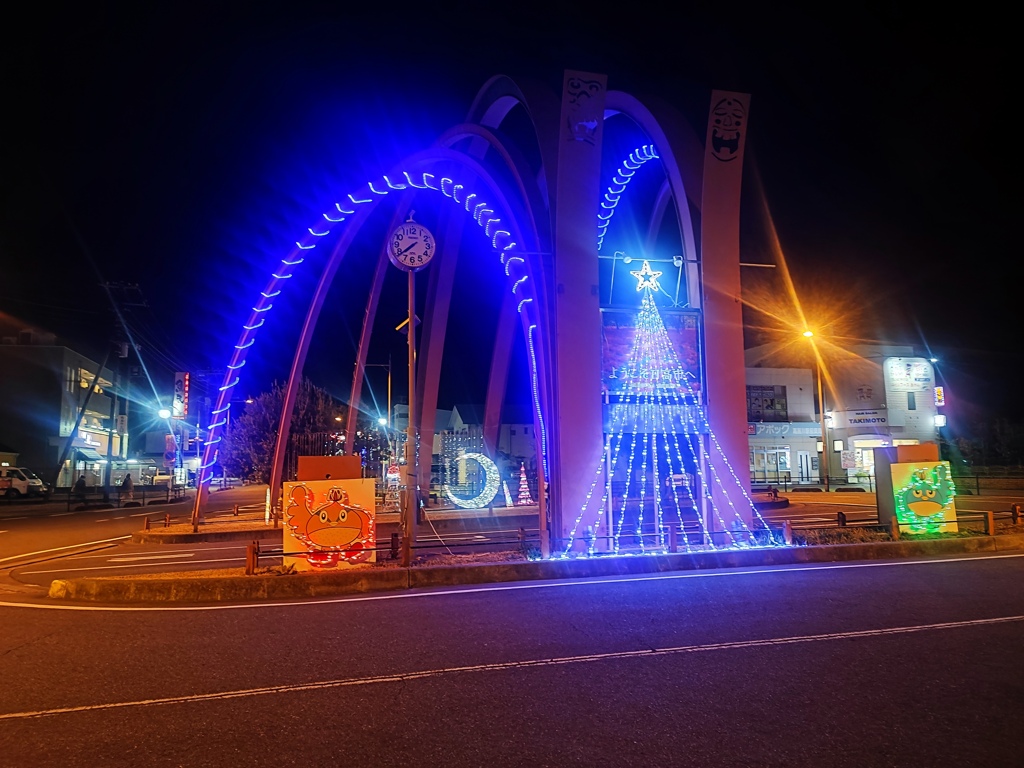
388, 366
821, 408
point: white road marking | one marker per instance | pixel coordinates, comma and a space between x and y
104, 520
504, 666
58, 549
60, 514
112, 567
23, 517
149, 557
472, 590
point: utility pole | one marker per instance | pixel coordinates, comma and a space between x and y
120, 296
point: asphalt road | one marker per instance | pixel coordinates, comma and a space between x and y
873, 664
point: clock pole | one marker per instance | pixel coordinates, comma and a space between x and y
411, 247
409, 513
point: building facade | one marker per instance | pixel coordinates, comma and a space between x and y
876, 396
43, 391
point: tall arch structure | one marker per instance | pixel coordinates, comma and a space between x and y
534, 197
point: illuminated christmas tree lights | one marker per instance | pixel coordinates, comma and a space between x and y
655, 414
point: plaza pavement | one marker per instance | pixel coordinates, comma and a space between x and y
246, 522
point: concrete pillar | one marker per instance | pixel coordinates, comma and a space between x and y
577, 444
725, 397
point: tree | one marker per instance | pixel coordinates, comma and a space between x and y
524, 487
248, 447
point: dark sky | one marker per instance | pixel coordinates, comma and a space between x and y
180, 148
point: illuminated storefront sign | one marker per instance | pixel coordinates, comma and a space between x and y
179, 403
908, 374
857, 419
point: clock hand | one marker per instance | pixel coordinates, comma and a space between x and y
406, 248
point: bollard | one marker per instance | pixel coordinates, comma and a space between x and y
235, 511
841, 517
990, 523
394, 547
787, 532
894, 528
1015, 513
145, 523
673, 539
167, 520
251, 557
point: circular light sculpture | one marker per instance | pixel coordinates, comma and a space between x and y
492, 483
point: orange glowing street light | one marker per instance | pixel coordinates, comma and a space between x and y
809, 334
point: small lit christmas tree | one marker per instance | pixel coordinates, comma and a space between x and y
524, 488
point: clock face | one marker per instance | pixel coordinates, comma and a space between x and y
411, 246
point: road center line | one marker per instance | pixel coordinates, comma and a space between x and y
515, 665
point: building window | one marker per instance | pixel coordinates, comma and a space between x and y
767, 403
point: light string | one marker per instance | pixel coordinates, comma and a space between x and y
482, 214
622, 177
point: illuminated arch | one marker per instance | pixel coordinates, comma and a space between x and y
520, 226
356, 207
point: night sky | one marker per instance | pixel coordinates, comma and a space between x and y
182, 148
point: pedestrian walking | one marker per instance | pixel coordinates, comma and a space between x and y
128, 487
80, 488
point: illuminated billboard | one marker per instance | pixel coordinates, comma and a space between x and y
628, 366
329, 523
924, 493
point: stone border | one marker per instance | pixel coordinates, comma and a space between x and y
182, 589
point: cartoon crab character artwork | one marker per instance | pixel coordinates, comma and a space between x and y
925, 501
335, 531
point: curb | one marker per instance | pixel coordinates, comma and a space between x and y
262, 533
181, 589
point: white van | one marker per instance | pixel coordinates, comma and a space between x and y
21, 481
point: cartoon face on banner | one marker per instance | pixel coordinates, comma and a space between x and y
727, 119
331, 520
924, 493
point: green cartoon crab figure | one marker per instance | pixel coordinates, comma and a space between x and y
923, 503
334, 532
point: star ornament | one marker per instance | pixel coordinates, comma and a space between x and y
646, 277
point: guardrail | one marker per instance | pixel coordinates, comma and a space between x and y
96, 496
526, 542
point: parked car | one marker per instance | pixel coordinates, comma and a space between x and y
22, 481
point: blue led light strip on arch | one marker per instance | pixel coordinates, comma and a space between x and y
490, 224
622, 177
